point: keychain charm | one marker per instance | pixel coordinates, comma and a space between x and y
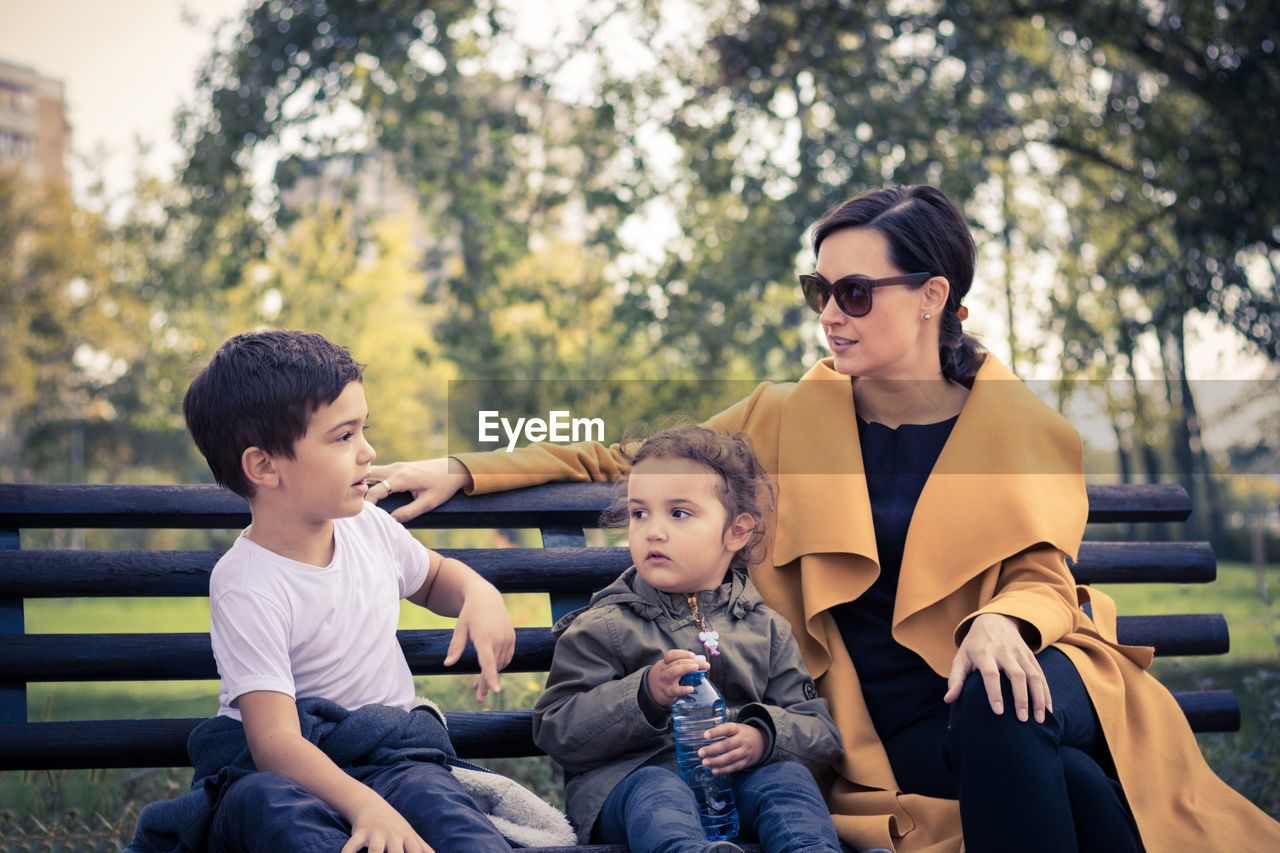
710, 639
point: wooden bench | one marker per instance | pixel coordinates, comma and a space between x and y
564, 567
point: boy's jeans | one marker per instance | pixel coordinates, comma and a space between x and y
653, 809
268, 813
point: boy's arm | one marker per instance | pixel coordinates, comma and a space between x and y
453, 588
276, 743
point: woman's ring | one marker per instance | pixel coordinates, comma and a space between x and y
387, 483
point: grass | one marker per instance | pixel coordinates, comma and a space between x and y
92, 810
1254, 623
1248, 760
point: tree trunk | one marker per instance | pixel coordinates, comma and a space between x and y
1211, 521
1006, 214
1172, 356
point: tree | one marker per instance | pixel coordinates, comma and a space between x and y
785, 111
495, 160
1183, 113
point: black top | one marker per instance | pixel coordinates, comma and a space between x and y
898, 685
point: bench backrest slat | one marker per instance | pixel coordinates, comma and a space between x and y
555, 505
475, 734
66, 574
162, 657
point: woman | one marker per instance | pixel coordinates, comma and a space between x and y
927, 504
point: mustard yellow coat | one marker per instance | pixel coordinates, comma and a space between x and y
1009, 478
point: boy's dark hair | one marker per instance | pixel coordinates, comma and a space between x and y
744, 486
260, 389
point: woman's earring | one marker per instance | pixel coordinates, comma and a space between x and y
928, 316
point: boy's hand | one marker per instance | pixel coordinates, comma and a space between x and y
742, 747
379, 828
484, 622
664, 676
272, 729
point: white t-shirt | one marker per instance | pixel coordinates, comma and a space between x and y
318, 631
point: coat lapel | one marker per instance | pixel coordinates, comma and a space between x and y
823, 551
992, 493
823, 506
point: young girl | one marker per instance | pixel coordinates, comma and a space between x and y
694, 514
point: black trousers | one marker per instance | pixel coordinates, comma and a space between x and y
1046, 787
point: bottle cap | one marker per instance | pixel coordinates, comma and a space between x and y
700, 658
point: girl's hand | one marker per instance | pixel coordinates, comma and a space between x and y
995, 645
431, 482
742, 747
663, 678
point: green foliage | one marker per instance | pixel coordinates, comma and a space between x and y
85, 388
494, 159
1163, 120
1156, 128
1256, 772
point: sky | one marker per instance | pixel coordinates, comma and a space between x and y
126, 65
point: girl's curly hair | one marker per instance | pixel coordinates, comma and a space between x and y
744, 486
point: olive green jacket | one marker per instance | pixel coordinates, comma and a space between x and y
591, 718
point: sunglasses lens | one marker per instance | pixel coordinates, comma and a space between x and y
853, 297
815, 294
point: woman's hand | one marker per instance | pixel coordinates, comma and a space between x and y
742, 747
663, 678
431, 482
994, 645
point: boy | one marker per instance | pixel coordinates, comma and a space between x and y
305, 604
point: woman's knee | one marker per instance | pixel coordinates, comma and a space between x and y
973, 722
972, 712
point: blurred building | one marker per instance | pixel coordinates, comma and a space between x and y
35, 135
367, 180
368, 183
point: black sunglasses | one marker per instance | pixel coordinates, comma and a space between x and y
853, 292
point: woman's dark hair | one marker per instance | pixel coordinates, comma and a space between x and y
926, 233
744, 486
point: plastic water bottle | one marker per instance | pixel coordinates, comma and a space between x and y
692, 715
